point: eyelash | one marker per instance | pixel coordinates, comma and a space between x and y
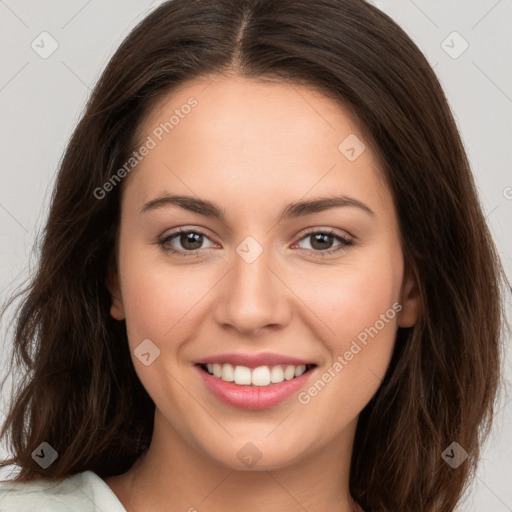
345, 243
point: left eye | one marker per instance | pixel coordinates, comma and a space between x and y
321, 242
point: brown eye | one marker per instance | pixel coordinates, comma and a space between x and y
191, 240
321, 242
185, 243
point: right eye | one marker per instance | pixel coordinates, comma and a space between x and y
190, 240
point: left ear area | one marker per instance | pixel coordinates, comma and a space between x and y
410, 299
117, 307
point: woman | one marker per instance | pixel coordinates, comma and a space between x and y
266, 279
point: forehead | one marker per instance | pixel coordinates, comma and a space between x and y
241, 139
245, 110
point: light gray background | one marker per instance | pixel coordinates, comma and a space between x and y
41, 101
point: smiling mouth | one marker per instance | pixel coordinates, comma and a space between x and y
260, 376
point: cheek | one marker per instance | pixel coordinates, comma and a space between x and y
363, 316
353, 296
358, 303
158, 296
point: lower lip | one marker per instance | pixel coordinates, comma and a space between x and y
253, 397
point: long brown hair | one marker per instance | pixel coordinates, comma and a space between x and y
79, 391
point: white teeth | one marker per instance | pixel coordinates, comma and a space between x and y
260, 376
300, 370
228, 373
242, 375
217, 370
289, 373
276, 375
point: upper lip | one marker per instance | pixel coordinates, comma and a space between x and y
254, 360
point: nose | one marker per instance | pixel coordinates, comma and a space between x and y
253, 297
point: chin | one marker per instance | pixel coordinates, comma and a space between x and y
257, 453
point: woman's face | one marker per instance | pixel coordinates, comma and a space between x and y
256, 274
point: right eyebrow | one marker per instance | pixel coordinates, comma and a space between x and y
193, 204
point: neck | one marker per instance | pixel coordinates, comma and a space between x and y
172, 472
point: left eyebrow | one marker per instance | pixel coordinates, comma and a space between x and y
324, 203
293, 210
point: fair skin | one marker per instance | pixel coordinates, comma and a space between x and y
253, 148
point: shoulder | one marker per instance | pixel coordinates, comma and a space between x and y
84, 492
